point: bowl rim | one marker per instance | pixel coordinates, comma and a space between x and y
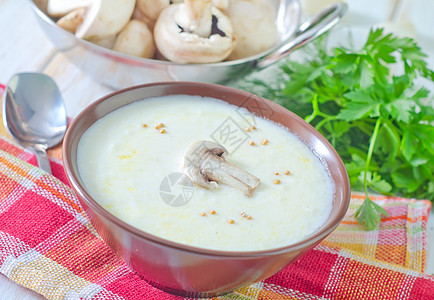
144, 61
82, 195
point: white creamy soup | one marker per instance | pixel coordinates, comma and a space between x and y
130, 162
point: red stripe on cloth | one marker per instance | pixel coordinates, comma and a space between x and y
423, 289
56, 169
59, 173
33, 218
11, 246
10, 148
86, 255
132, 287
309, 274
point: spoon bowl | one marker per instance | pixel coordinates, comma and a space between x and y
34, 113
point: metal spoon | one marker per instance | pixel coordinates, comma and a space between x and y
34, 114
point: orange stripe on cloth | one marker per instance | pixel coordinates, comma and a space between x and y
376, 197
410, 220
363, 281
271, 295
40, 183
6, 188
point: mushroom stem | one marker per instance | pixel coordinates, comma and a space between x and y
205, 164
196, 17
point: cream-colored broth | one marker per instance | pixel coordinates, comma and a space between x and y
123, 165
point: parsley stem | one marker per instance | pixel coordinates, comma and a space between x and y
315, 109
317, 113
325, 120
370, 151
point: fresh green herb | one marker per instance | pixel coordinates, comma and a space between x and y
368, 104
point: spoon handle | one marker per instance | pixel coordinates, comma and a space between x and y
42, 158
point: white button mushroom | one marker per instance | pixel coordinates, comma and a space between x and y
149, 10
135, 39
254, 26
60, 8
194, 32
72, 20
105, 18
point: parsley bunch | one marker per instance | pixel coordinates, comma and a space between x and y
368, 105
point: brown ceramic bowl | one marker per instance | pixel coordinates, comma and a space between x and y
186, 270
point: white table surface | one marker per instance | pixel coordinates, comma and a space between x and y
25, 47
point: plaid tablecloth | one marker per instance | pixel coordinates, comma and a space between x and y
48, 244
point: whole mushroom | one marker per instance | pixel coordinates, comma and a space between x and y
194, 32
135, 39
254, 26
149, 10
98, 21
105, 18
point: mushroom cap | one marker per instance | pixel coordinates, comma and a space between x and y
195, 16
185, 47
60, 8
254, 26
151, 8
221, 4
104, 18
135, 39
138, 15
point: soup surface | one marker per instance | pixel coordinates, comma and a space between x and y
131, 162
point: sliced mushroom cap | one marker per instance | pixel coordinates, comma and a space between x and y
104, 18
254, 26
205, 164
191, 44
60, 8
135, 39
